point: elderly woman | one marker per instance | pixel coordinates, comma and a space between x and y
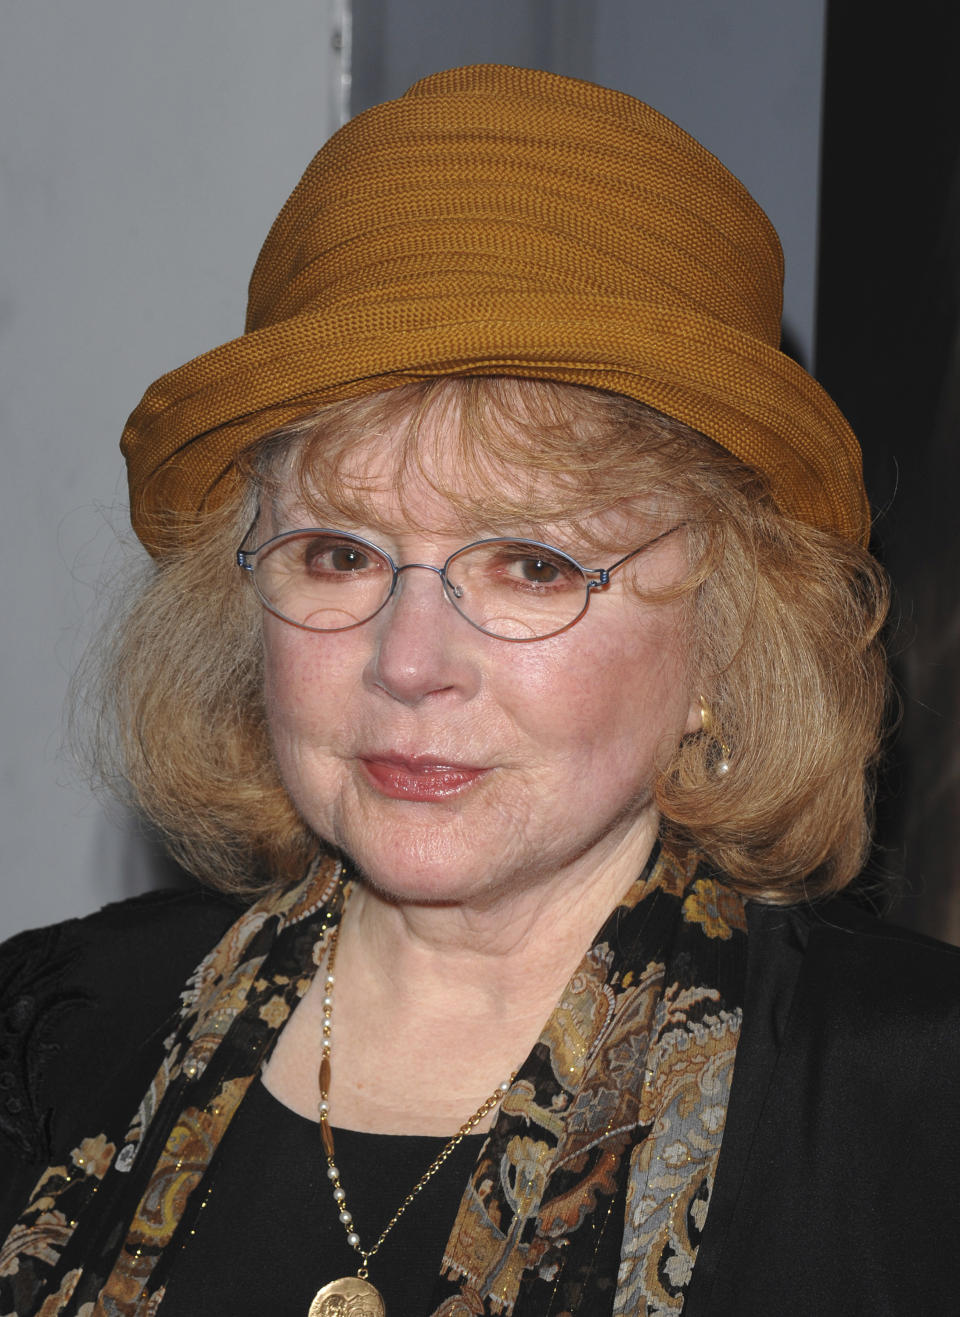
511, 650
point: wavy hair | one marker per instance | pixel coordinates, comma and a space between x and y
784, 622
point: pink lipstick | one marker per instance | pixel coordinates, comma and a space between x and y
423, 779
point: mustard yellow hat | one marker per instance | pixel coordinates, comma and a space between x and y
502, 221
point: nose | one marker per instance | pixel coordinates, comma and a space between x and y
422, 647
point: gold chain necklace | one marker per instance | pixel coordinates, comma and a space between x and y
363, 1298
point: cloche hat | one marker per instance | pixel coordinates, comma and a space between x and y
504, 221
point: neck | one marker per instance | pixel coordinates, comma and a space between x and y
436, 1004
489, 948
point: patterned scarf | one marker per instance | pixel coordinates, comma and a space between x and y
607, 1140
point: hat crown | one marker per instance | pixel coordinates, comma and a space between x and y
517, 182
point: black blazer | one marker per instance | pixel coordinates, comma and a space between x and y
838, 1185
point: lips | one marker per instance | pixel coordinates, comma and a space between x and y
418, 778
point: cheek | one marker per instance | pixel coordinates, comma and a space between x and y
302, 686
303, 695
625, 703
283, 681
285, 707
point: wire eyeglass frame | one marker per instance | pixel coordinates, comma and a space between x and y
594, 578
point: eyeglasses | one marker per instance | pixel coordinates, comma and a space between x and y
328, 580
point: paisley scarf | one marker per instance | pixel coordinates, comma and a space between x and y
591, 1191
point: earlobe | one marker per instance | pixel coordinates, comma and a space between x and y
694, 721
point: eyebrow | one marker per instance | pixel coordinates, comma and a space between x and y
573, 538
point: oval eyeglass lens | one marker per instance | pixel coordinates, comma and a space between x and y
321, 580
517, 589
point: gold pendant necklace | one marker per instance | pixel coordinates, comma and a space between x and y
355, 1296
351, 1296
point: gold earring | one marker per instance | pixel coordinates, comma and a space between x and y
722, 766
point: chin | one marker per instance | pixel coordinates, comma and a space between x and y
422, 873
409, 851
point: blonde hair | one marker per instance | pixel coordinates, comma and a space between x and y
784, 626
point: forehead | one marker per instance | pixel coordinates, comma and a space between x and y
448, 466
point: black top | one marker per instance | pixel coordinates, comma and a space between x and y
274, 1259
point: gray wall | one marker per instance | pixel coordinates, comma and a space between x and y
144, 150
743, 76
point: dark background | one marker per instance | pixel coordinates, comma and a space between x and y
888, 351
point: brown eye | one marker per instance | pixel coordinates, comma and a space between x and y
346, 558
321, 555
528, 566
539, 571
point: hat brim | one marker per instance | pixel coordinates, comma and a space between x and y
182, 441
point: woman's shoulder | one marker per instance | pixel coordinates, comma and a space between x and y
853, 1004
840, 1158
78, 997
838, 975
134, 946
190, 907
851, 953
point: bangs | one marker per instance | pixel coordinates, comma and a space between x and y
497, 453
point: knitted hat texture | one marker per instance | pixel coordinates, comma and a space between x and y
503, 221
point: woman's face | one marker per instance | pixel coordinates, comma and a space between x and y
456, 767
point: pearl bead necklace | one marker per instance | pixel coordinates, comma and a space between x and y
348, 1284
